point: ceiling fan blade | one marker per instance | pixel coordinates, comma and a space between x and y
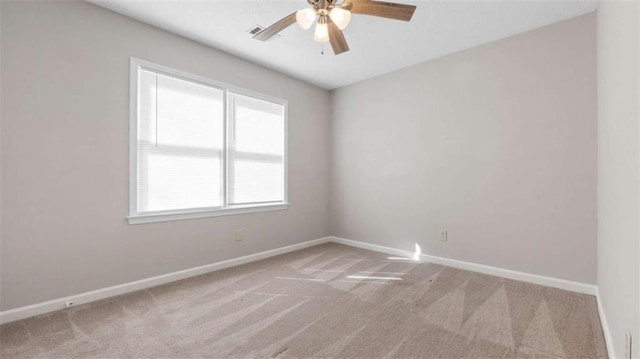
278, 26
336, 37
382, 9
346, 5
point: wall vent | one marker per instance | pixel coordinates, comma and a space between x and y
257, 28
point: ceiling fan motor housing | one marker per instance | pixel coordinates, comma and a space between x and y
322, 5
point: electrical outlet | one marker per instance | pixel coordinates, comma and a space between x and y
69, 303
627, 345
443, 235
239, 235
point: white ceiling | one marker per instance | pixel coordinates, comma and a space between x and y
377, 45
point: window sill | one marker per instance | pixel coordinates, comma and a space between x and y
176, 216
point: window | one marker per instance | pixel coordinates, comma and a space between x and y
200, 148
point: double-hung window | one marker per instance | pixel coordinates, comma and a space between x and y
201, 148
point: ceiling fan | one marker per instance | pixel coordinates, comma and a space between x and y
332, 18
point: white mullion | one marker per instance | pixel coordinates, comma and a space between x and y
229, 124
225, 110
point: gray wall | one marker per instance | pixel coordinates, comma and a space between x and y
65, 87
496, 144
618, 169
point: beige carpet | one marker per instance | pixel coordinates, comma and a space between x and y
326, 301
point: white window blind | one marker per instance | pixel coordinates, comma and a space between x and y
180, 138
256, 151
202, 147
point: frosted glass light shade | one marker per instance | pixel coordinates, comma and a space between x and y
322, 33
305, 18
340, 17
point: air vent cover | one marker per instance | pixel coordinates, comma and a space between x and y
255, 29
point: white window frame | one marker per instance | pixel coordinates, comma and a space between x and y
136, 217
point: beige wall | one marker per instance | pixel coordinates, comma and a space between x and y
618, 169
65, 87
496, 144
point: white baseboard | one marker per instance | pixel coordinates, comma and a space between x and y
605, 328
474, 267
371, 247
86, 297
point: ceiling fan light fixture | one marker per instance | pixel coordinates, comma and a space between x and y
340, 17
305, 18
321, 34
333, 16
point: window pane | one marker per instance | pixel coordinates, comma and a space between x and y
259, 126
180, 139
256, 151
179, 182
189, 114
257, 181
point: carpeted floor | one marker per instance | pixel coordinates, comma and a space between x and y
326, 301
